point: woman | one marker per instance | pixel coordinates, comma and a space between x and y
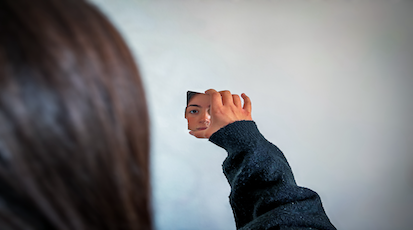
74, 136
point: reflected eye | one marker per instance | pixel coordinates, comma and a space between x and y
193, 111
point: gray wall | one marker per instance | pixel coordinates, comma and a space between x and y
331, 85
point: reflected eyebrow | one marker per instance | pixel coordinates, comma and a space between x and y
195, 105
209, 106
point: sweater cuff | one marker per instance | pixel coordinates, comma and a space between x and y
239, 135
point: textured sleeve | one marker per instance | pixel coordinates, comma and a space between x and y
264, 194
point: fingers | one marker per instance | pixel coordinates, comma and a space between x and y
210, 91
247, 103
216, 99
226, 97
237, 100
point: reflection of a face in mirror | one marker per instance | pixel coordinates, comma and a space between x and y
197, 112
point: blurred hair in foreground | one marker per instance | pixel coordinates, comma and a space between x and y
74, 134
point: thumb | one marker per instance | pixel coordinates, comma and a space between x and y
197, 134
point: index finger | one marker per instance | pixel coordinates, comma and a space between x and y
215, 97
210, 91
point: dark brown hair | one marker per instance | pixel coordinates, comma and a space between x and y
190, 95
74, 135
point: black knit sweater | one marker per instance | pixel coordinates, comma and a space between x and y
264, 194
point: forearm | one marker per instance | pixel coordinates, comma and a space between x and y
263, 190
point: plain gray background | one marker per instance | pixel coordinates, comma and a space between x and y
331, 85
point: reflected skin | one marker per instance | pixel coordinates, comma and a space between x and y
207, 113
198, 113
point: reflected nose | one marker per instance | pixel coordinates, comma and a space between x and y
206, 118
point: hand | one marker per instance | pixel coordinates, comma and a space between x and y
226, 108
